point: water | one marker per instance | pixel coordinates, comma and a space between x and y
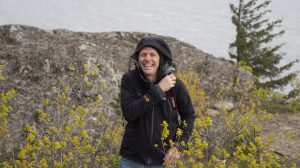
205, 24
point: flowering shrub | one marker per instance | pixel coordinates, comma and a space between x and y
5, 108
69, 132
231, 139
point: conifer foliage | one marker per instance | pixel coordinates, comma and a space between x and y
252, 46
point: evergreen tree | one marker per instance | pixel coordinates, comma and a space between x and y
254, 33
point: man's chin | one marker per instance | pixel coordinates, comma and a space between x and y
147, 71
148, 74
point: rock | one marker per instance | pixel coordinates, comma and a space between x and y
212, 113
224, 105
37, 59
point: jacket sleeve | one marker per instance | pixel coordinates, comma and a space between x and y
186, 112
134, 105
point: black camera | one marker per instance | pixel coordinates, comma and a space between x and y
168, 68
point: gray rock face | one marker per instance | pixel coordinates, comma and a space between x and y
36, 59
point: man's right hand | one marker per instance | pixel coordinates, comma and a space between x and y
167, 82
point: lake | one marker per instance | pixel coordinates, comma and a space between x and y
206, 24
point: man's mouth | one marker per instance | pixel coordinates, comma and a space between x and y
148, 65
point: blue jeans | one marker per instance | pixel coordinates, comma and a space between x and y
127, 163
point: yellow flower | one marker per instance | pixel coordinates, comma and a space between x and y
43, 163
294, 165
64, 144
27, 127
84, 133
46, 102
214, 158
2, 77
75, 140
225, 153
165, 131
58, 164
28, 147
184, 124
179, 164
191, 160
187, 152
102, 86
53, 88
33, 155
94, 72
165, 124
85, 66
70, 154
57, 145
30, 137
103, 158
40, 143
199, 154
82, 111
6, 165
204, 145
89, 148
198, 165
182, 143
252, 147
43, 116
22, 154
67, 129
88, 83
46, 140
179, 133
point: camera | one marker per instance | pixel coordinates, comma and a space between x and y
168, 68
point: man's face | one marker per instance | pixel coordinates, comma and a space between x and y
149, 62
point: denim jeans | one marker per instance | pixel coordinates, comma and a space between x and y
127, 163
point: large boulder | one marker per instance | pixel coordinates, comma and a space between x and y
37, 59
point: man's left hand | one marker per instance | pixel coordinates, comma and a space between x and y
172, 156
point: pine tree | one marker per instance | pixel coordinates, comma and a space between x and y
252, 46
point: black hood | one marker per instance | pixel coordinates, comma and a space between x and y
157, 43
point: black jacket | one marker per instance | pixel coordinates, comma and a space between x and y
145, 106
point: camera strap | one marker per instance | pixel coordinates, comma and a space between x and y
172, 99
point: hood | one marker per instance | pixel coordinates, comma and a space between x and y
157, 43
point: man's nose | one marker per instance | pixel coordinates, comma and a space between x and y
147, 57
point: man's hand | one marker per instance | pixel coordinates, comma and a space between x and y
167, 82
172, 156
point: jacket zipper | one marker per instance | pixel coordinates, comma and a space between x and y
149, 160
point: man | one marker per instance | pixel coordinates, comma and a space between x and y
150, 95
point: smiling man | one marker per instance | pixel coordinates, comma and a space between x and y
149, 62
150, 95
